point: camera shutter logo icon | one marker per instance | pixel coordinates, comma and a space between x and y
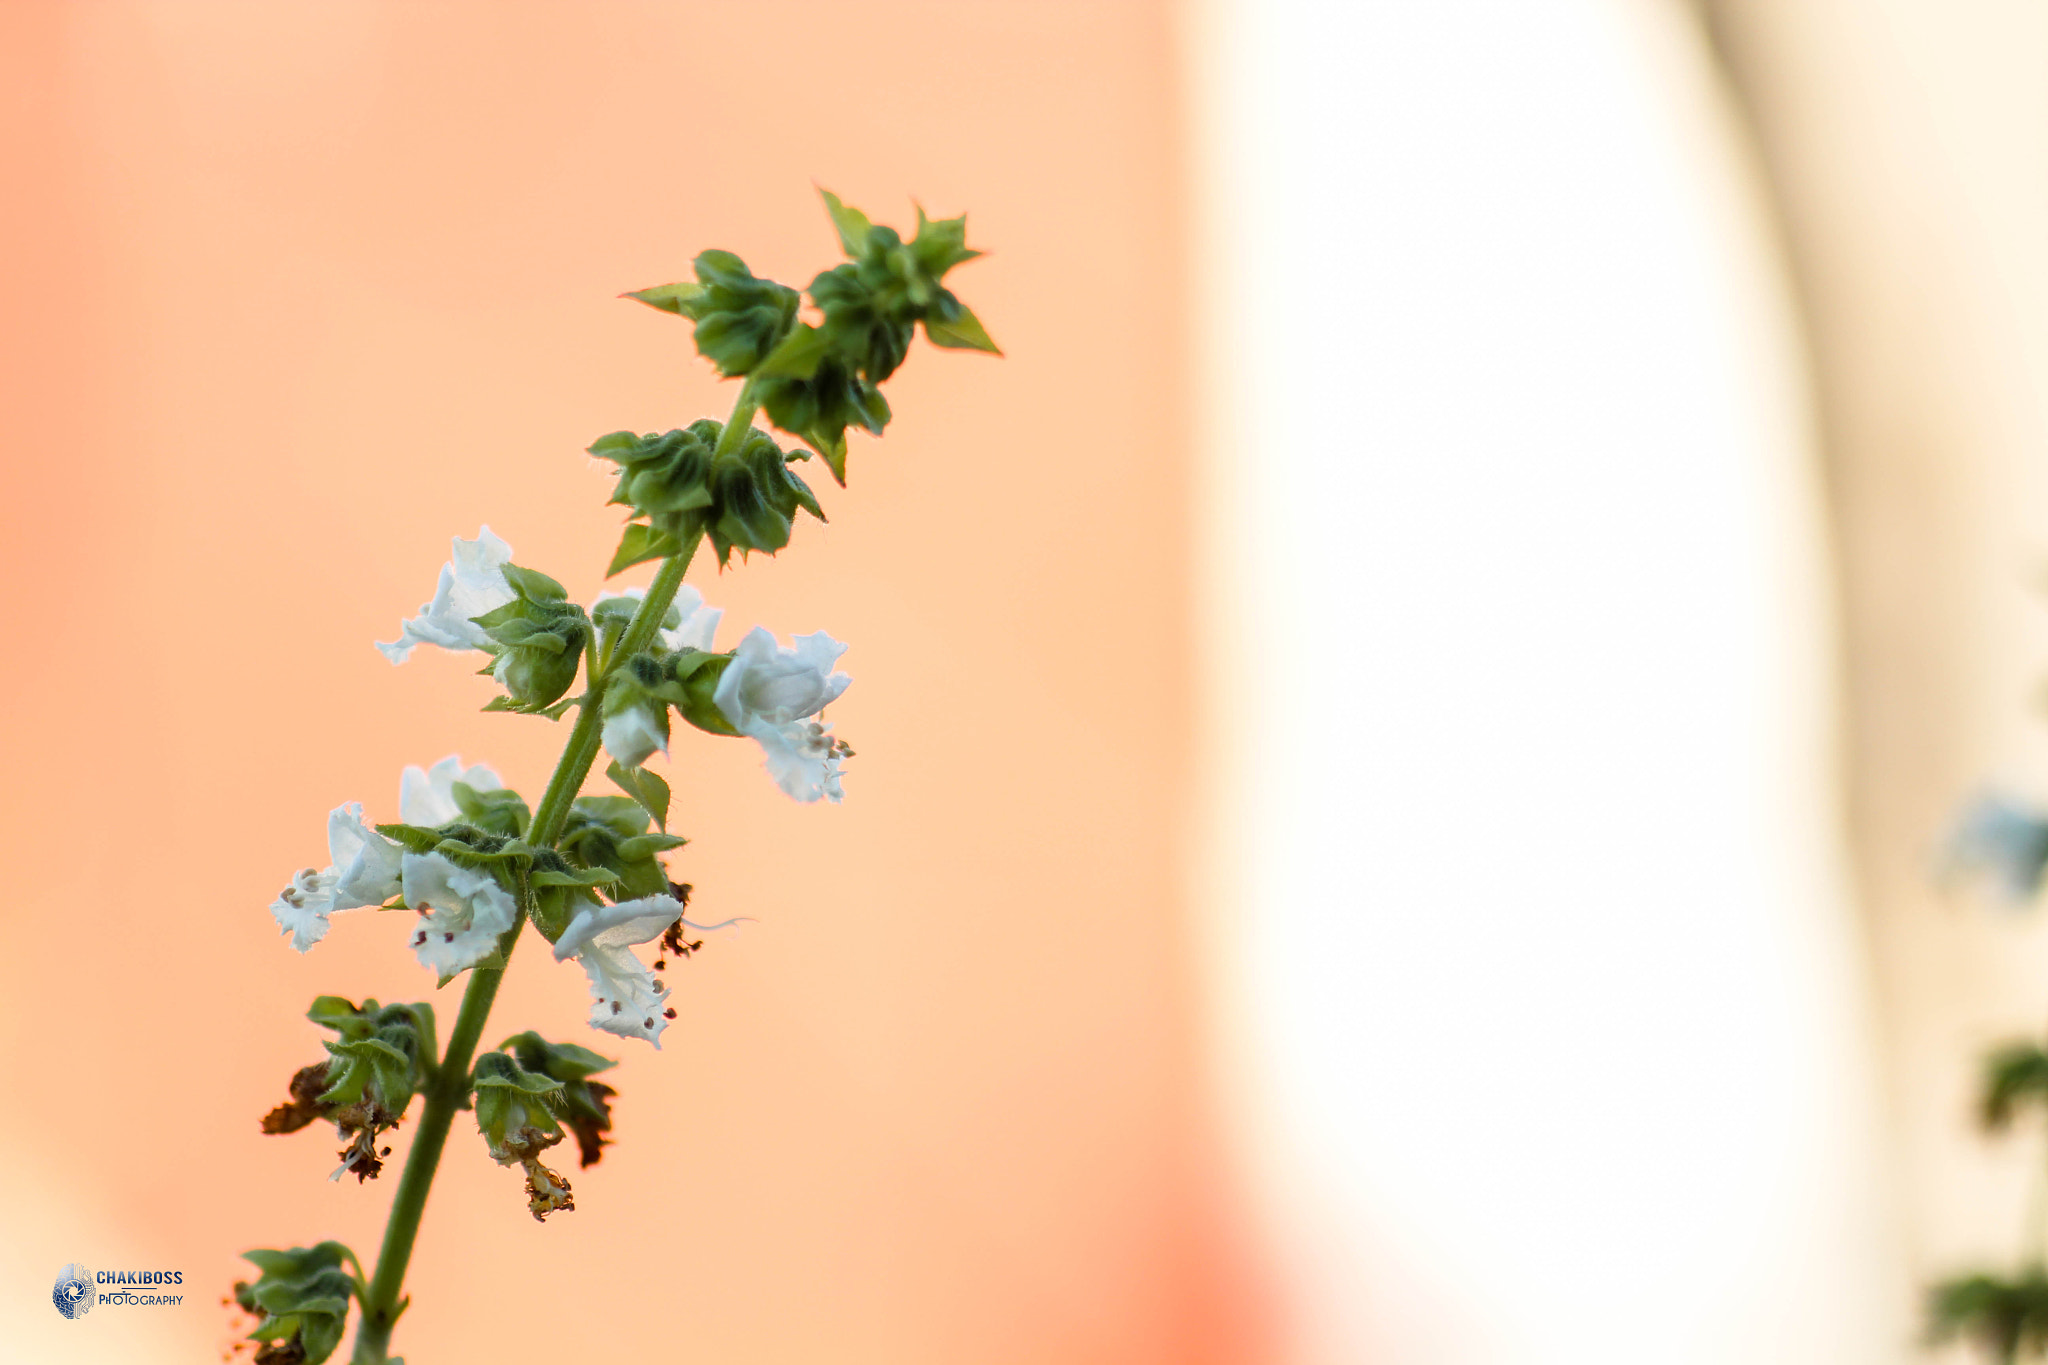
74, 1294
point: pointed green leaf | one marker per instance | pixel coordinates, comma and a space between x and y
851, 224
641, 543
964, 333
677, 298
644, 787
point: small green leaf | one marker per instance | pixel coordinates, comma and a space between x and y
963, 333
851, 224
678, 298
644, 787
640, 544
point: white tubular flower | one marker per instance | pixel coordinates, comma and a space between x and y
768, 691
426, 796
364, 871
624, 998
472, 583
462, 912
802, 757
632, 736
697, 623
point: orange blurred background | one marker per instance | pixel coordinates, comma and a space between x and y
300, 292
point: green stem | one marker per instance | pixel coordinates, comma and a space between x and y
444, 1097
450, 1086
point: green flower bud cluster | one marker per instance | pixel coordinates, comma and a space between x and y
516, 1111
610, 833
382, 1057
815, 381
302, 1297
745, 499
586, 1108
539, 638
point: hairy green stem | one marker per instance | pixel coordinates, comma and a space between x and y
450, 1087
444, 1097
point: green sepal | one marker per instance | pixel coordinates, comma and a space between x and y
515, 1107
304, 1293
798, 356
415, 838
963, 333
498, 810
611, 832
595, 876
647, 789
641, 543
696, 672
678, 298
740, 317
851, 224
622, 815
648, 845
586, 1109
533, 585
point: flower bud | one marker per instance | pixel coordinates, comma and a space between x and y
539, 638
302, 1297
635, 720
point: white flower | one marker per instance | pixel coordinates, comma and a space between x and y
632, 735
624, 998
696, 623
364, 871
426, 796
462, 912
2003, 840
802, 757
768, 691
472, 583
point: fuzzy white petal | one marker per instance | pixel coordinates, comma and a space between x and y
302, 908
471, 583
633, 735
463, 912
615, 926
623, 999
776, 684
800, 755
426, 796
366, 863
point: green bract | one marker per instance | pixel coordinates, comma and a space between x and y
381, 1054
586, 1104
610, 833
676, 480
816, 381
302, 1295
539, 636
516, 1108
740, 317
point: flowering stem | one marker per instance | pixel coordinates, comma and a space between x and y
450, 1086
